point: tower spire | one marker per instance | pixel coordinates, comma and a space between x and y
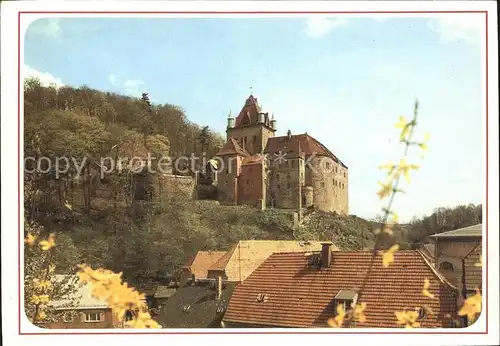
251, 94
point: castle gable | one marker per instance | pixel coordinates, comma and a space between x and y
249, 113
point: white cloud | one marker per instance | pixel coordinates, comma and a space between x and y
47, 27
133, 87
113, 79
459, 27
317, 27
45, 78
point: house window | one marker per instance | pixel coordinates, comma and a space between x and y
68, 317
128, 316
345, 298
93, 317
446, 266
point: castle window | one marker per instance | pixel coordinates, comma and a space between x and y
277, 176
225, 183
293, 163
288, 177
334, 182
327, 165
322, 184
287, 185
345, 175
254, 139
248, 182
278, 186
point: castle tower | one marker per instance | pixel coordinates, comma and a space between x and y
252, 128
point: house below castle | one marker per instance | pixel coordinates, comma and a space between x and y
257, 168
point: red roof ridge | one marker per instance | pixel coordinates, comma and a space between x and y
437, 274
223, 261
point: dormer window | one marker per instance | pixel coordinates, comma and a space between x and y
346, 298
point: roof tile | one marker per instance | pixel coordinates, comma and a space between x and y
301, 295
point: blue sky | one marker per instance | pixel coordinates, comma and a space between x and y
343, 80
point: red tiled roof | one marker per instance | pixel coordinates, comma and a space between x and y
308, 145
474, 273
301, 295
202, 261
231, 148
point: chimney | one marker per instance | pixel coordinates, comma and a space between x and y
219, 287
326, 254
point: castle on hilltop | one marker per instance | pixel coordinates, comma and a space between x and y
256, 168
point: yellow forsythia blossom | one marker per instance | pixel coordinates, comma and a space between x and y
337, 321
407, 318
472, 306
109, 286
42, 284
40, 299
385, 191
359, 312
425, 290
388, 256
48, 244
405, 167
30, 239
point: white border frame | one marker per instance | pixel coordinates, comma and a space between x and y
9, 155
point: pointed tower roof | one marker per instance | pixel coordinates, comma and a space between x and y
249, 113
232, 148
